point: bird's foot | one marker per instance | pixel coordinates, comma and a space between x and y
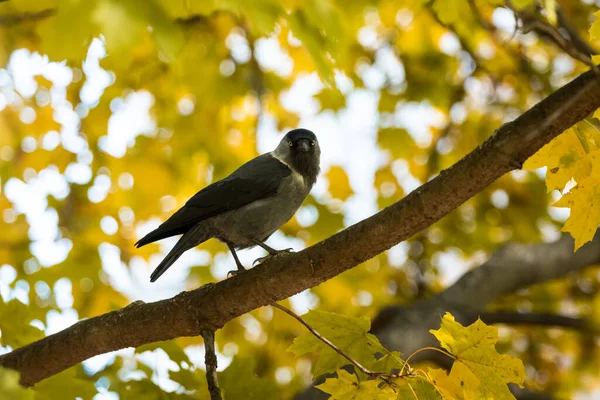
236, 272
275, 253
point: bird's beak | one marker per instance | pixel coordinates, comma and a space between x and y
303, 146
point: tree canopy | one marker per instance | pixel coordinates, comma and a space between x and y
459, 139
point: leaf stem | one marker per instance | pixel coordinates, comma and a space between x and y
420, 350
312, 330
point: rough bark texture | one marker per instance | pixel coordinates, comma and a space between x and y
211, 306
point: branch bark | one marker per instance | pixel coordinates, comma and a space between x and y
211, 306
210, 359
537, 319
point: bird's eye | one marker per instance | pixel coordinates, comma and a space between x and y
313, 142
291, 143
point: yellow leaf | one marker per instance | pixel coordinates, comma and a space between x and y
584, 202
339, 185
565, 157
448, 386
595, 29
550, 6
478, 367
331, 99
523, 3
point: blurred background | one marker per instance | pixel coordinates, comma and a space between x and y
113, 113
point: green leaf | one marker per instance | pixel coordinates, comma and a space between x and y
10, 387
171, 347
69, 384
14, 325
478, 367
122, 23
397, 141
314, 42
388, 363
350, 334
347, 387
416, 389
67, 35
239, 381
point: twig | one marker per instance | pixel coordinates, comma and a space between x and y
549, 31
580, 43
210, 359
326, 341
423, 349
17, 18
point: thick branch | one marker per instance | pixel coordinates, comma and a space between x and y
210, 307
521, 265
536, 319
403, 328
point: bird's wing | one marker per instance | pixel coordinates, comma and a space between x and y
257, 179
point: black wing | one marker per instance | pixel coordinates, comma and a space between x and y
257, 179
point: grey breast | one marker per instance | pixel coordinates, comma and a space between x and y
258, 220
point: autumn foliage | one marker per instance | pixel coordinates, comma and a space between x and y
114, 112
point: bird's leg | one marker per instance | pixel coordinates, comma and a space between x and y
240, 267
272, 252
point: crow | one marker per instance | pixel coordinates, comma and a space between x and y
245, 208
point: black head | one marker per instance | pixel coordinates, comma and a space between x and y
300, 150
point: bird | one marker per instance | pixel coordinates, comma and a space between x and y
244, 209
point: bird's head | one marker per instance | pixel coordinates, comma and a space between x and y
299, 149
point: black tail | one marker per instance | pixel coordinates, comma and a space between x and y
164, 265
158, 234
190, 239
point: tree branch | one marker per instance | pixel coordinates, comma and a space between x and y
521, 265
210, 359
211, 306
24, 17
512, 267
537, 319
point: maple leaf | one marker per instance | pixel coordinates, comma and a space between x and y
478, 370
350, 334
565, 157
347, 387
583, 200
595, 28
575, 154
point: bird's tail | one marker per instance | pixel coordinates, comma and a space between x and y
165, 264
186, 242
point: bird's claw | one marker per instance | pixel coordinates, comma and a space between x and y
235, 272
271, 255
